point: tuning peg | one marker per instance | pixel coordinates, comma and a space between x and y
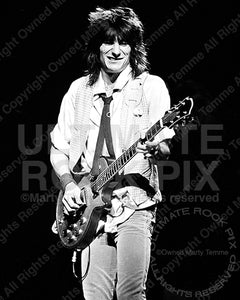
176, 127
189, 118
184, 122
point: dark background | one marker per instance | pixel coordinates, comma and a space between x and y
29, 240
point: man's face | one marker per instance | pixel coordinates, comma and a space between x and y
114, 56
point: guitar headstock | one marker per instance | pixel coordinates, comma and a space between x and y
179, 114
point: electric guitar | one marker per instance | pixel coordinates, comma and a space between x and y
77, 230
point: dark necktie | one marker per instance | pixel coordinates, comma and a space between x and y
104, 134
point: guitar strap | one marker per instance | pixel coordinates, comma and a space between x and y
103, 134
137, 180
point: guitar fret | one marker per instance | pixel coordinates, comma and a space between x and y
97, 185
119, 163
107, 176
149, 135
104, 177
154, 130
158, 126
110, 172
164, 119
100, 181
130, 152
122, 160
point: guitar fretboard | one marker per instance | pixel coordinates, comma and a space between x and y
128, 154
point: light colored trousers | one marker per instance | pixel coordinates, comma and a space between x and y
119, 262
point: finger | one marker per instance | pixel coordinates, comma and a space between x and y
147, 155
142, 150
163, 147
82, 197
67, 208
141, 146
71, 202
151, 144
78, 199
142, 134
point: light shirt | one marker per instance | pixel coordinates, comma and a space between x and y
157, 96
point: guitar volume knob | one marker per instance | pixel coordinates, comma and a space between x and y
83, 220
73, 238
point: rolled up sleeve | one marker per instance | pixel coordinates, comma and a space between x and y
62, 132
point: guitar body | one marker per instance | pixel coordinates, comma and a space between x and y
79, 229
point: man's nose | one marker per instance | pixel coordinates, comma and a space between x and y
116, 49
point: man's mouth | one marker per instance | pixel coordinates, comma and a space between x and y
113, 58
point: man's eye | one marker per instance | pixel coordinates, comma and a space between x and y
123, 43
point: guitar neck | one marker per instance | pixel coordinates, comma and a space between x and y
173, 116
126, 156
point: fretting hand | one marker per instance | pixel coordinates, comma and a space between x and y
154, 149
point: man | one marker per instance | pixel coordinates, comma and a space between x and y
117, 67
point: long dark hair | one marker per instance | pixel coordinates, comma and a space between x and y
105, 25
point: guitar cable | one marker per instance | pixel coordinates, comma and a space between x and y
74, 260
